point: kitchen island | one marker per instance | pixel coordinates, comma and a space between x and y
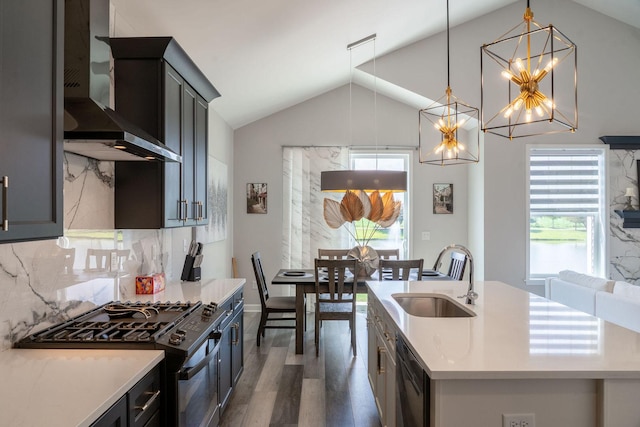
66, 388
519, 354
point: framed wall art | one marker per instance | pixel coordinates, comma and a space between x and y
257, 198
216, 229
442, 198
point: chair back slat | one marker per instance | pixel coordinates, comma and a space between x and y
333, 253
457, 266
256, 260
340, 283
388, 253
400, 269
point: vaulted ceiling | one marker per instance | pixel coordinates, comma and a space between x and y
264, 56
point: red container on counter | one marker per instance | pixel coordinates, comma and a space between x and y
150, 284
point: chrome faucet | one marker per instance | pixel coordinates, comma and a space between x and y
471, 294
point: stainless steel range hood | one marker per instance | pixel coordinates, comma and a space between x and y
90, 128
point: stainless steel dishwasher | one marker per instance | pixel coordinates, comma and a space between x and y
412, 391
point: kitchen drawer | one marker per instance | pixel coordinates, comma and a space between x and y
144, 399
116, 416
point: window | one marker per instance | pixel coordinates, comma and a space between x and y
567, 215
397, 235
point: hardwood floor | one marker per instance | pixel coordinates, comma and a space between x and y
281, 388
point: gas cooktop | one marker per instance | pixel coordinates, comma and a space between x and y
174, 326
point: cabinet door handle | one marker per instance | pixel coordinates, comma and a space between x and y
5, 200
184, 208
381, 369
197, 210
149, 402
200, 210
236, 339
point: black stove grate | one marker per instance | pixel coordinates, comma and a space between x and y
97, 327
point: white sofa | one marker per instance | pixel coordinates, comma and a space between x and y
614, 301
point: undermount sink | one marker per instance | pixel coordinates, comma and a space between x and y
431, 305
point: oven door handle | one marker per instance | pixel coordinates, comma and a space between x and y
186, 374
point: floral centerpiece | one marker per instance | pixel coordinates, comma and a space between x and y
378, 211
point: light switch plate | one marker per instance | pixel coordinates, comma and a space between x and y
518, 420
426, 235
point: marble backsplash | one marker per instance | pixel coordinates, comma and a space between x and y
39, 280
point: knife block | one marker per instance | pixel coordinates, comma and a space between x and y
189, 272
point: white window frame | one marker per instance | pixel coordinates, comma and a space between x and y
407, 156
604, 206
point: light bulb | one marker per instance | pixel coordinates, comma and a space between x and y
508, 113
439, 148
506, 74
549, 103
461, 146
551, 64
539, 111
518, 104
437, 126
519, 64
527, 115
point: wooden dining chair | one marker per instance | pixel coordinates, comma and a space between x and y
458, 261
388, 253
271, 306
457, 265
400, 269
339, 300
333, 253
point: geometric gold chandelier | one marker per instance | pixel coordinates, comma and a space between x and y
448, 128
539, 66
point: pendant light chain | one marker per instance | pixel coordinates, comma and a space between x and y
448, 64
375, 101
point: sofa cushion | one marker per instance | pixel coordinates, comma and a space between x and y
581, 298
627, 290
618, 309
593, 282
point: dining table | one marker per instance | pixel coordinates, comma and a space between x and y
305, 282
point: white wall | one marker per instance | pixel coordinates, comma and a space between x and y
324, 120
217, 255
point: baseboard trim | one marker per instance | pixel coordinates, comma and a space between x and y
252, 308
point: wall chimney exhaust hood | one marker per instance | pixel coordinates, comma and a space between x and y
90, 128
621, 142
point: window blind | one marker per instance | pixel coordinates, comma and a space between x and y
565, 182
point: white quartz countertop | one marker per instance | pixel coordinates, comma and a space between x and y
68, 388
514, 334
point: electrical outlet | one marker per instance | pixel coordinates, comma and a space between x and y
518, 420
426, 235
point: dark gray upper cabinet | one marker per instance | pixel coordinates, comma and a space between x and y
162, 91
31, 108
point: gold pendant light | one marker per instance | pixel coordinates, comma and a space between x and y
450, 121
539, 66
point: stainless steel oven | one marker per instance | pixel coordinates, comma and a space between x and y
197, 385
189, 334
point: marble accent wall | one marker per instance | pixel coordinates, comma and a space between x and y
308, 231
44, 282
624, 243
